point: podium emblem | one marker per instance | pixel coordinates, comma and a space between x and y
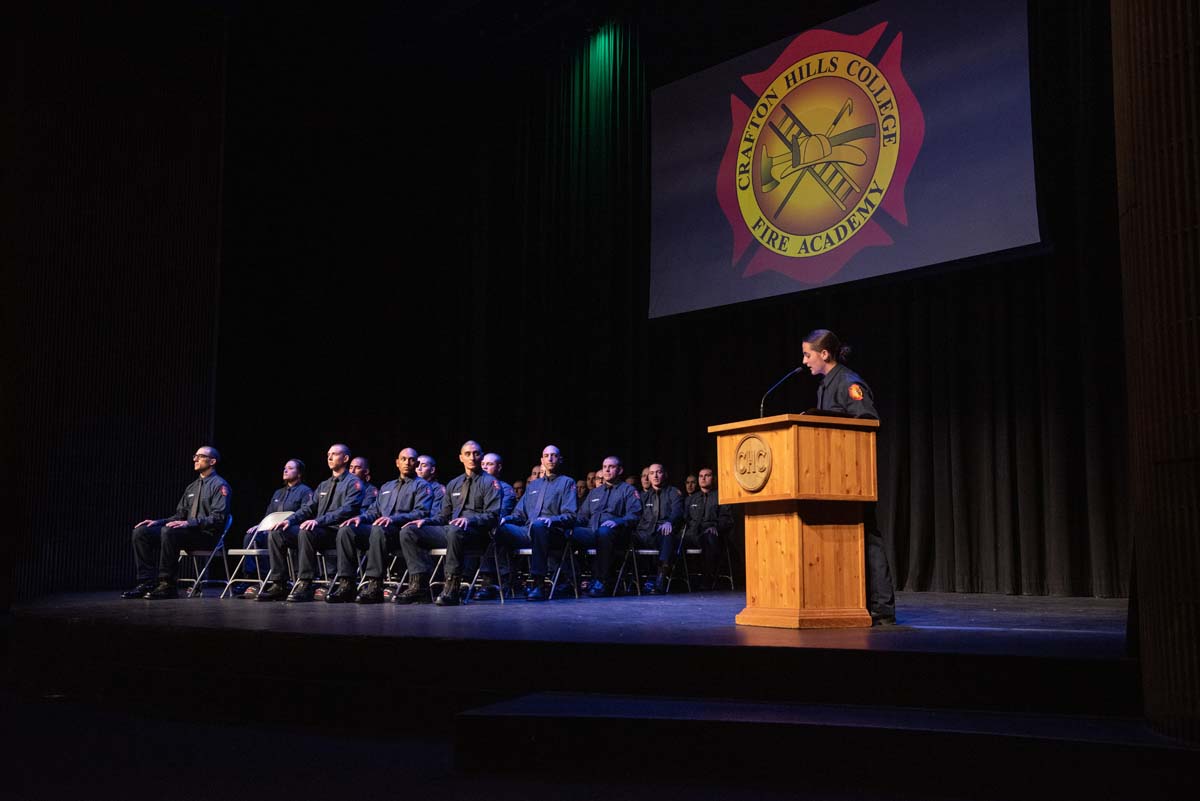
752, 463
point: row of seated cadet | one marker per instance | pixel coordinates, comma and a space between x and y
413, 535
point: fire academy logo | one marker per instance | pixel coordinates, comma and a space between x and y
826, 147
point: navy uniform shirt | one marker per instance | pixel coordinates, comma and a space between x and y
618, 502
337, 498
480, 505
842, 390
553, 498
439, 495
508, 498
661, 506
370, 493
403, 500
701, 511
213, 508
289, 499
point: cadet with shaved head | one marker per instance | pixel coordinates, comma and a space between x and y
608, 512
469, 509
660, 525
542, 519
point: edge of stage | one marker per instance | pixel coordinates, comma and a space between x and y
1035, 654
1040, 685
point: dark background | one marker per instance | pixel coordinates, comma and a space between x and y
273, 229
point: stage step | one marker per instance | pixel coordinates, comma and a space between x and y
978, 753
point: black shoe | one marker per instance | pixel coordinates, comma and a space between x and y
343, 592
883, 620
164, 590
596, 589
489, 592
273, 591
417, 592
302, 591
372, 593
536, 593
659, 585
140, 590
449, 596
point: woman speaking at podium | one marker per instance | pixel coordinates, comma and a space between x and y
842, 390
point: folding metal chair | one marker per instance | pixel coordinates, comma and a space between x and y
631, 555
267, 523
196, 585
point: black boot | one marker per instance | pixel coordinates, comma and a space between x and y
302, 591
372, 593
449, 596
343, 592
417, 591
141, 589
659, 586
273, 591
165, 589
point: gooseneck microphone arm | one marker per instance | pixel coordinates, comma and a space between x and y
762, 402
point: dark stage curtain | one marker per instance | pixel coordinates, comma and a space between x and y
111, 280
1000, 384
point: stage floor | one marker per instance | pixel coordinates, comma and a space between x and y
1078, 628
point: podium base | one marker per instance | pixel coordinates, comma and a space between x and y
848, 618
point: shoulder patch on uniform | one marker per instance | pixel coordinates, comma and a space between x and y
856, 391
225, 490
495, 484
358, 485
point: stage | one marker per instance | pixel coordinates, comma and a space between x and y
1030, 679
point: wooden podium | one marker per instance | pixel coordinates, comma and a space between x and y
803, 479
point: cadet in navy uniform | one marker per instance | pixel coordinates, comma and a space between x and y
842, 390
377, 531
360, 468
469, 510
544, 517
492, 465
198, 522
608, 513
660, 525
427, 469
313, 526
705, 523
291, 496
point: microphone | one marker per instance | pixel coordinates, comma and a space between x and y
775, 387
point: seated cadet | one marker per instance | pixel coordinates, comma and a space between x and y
469, 510
660, 524
608, 512
377, 531
291, 496
198, 522
427, 469
492, 465
312, 526
519, 488
705, 522
542, 520
645, 484
360, 468
690, 485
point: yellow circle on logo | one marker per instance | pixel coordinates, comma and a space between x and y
752, 463
817, 154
